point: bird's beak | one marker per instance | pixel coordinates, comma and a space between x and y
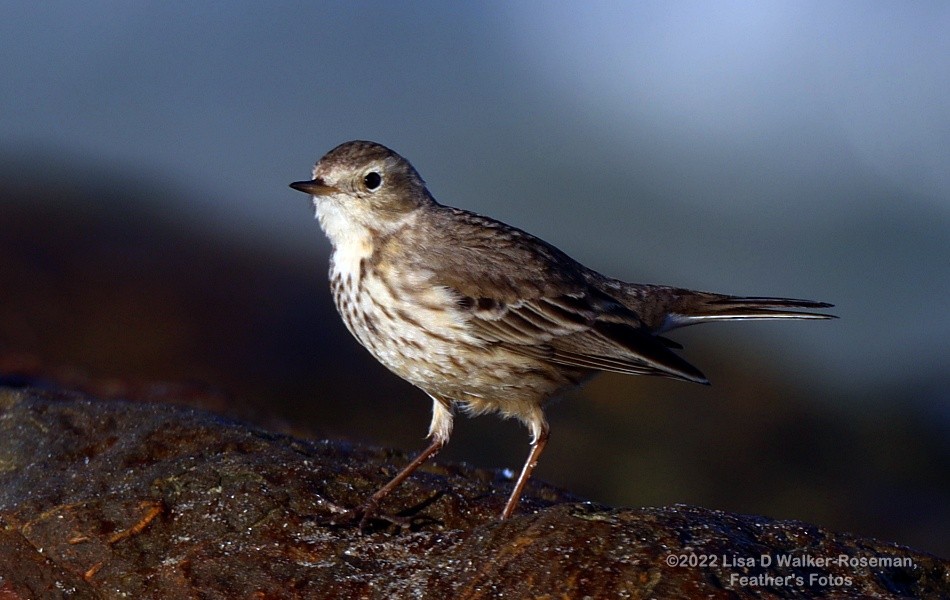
315, 187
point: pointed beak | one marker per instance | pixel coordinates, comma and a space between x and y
315, 187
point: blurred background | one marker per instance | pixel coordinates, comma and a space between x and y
147, 233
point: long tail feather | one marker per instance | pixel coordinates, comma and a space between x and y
663, 308
701, 307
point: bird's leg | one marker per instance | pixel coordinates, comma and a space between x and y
537, 447
368, 509
439, 430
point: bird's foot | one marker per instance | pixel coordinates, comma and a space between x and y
368, 517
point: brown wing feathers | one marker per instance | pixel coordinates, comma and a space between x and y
592, 332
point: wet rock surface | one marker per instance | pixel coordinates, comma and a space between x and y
112, 499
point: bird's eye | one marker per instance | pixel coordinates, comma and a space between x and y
372, 180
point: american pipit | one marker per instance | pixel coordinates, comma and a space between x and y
483, 316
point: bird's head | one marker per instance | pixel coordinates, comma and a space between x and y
364, 184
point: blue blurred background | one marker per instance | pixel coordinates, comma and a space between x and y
765, 148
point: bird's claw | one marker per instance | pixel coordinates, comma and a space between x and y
366, 514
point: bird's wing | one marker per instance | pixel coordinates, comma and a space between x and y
587, 330
527, 295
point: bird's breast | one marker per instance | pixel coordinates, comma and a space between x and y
410, 327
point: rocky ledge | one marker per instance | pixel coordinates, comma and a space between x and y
122, 500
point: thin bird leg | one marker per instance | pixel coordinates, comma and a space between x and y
369, 507
536, 448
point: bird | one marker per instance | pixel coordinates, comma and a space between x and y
484, 317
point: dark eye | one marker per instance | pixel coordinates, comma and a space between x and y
372, 180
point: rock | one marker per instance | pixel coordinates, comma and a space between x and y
113, 500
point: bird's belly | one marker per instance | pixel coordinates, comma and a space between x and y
422, 336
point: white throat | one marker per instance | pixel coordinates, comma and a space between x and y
352, 242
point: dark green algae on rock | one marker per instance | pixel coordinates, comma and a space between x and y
123, 500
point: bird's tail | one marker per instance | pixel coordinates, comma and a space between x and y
665, 308
705, 307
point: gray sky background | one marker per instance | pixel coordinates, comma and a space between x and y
767, 148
